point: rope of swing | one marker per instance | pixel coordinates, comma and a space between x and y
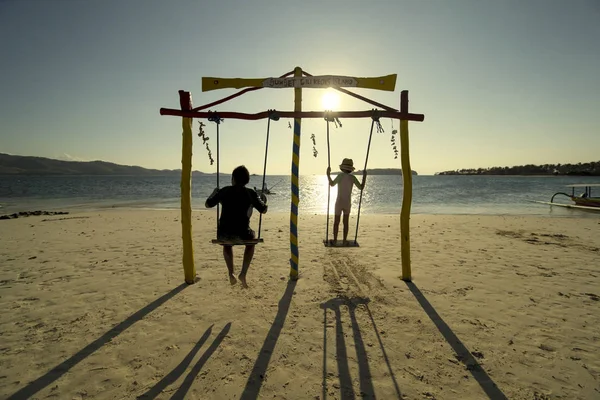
272, 116
328, 119
217, 120
375, 121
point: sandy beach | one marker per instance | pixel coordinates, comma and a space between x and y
94, 307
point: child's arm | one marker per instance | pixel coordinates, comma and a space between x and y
329, 176
361, 186
332, 182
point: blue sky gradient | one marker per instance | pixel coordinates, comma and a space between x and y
500, 83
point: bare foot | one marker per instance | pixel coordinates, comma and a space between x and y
232, 279
345, 243
242, 279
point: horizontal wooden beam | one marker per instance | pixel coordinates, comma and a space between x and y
294, 114
387, 82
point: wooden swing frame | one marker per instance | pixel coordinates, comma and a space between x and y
188, 113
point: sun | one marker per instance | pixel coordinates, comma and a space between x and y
330, 100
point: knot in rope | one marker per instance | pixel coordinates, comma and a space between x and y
330, 118
375, 117
274, 115
215, 118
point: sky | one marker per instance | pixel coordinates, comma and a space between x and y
500, 83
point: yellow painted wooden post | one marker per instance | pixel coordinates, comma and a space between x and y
185, 100
406, 190
294, 254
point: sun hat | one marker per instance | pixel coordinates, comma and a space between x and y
347, 165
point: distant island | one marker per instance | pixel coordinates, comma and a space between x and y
27, 165
579, 169
383, 171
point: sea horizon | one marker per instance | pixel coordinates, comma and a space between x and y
432, 194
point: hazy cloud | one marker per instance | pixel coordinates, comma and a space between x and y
68, 157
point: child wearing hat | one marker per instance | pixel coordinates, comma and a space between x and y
345, 182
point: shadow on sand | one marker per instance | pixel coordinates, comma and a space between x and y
366, 384
463, 354
172, 376
55, 373
257, 375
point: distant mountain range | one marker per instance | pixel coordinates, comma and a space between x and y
28, 165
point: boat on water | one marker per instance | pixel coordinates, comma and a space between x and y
264, 191
584, 201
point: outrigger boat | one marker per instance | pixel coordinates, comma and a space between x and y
263, 191
266, 190
584, 201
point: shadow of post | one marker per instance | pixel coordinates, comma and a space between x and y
55, 373
189, 379
324, 381
364, 372
256, 377
172, 376
385, 356
366, 382
346, 389
464, 355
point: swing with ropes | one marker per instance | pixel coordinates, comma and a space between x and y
235, 242
329, 119
297, 80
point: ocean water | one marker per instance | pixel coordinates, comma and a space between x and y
491, 195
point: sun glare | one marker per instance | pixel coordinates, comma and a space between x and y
330, 100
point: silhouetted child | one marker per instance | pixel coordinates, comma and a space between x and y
343, 203
237, 201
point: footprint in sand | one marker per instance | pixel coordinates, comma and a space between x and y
546, 347
593, 296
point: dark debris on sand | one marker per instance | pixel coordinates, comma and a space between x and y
30, 213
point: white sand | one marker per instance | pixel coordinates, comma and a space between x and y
93, 307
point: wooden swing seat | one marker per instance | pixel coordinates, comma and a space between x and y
339, 243
239, 242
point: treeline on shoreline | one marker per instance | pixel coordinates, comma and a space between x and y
579, 169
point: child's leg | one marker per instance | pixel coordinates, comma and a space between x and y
336, 226
336, 220
346, 224
248, 254
228, 256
